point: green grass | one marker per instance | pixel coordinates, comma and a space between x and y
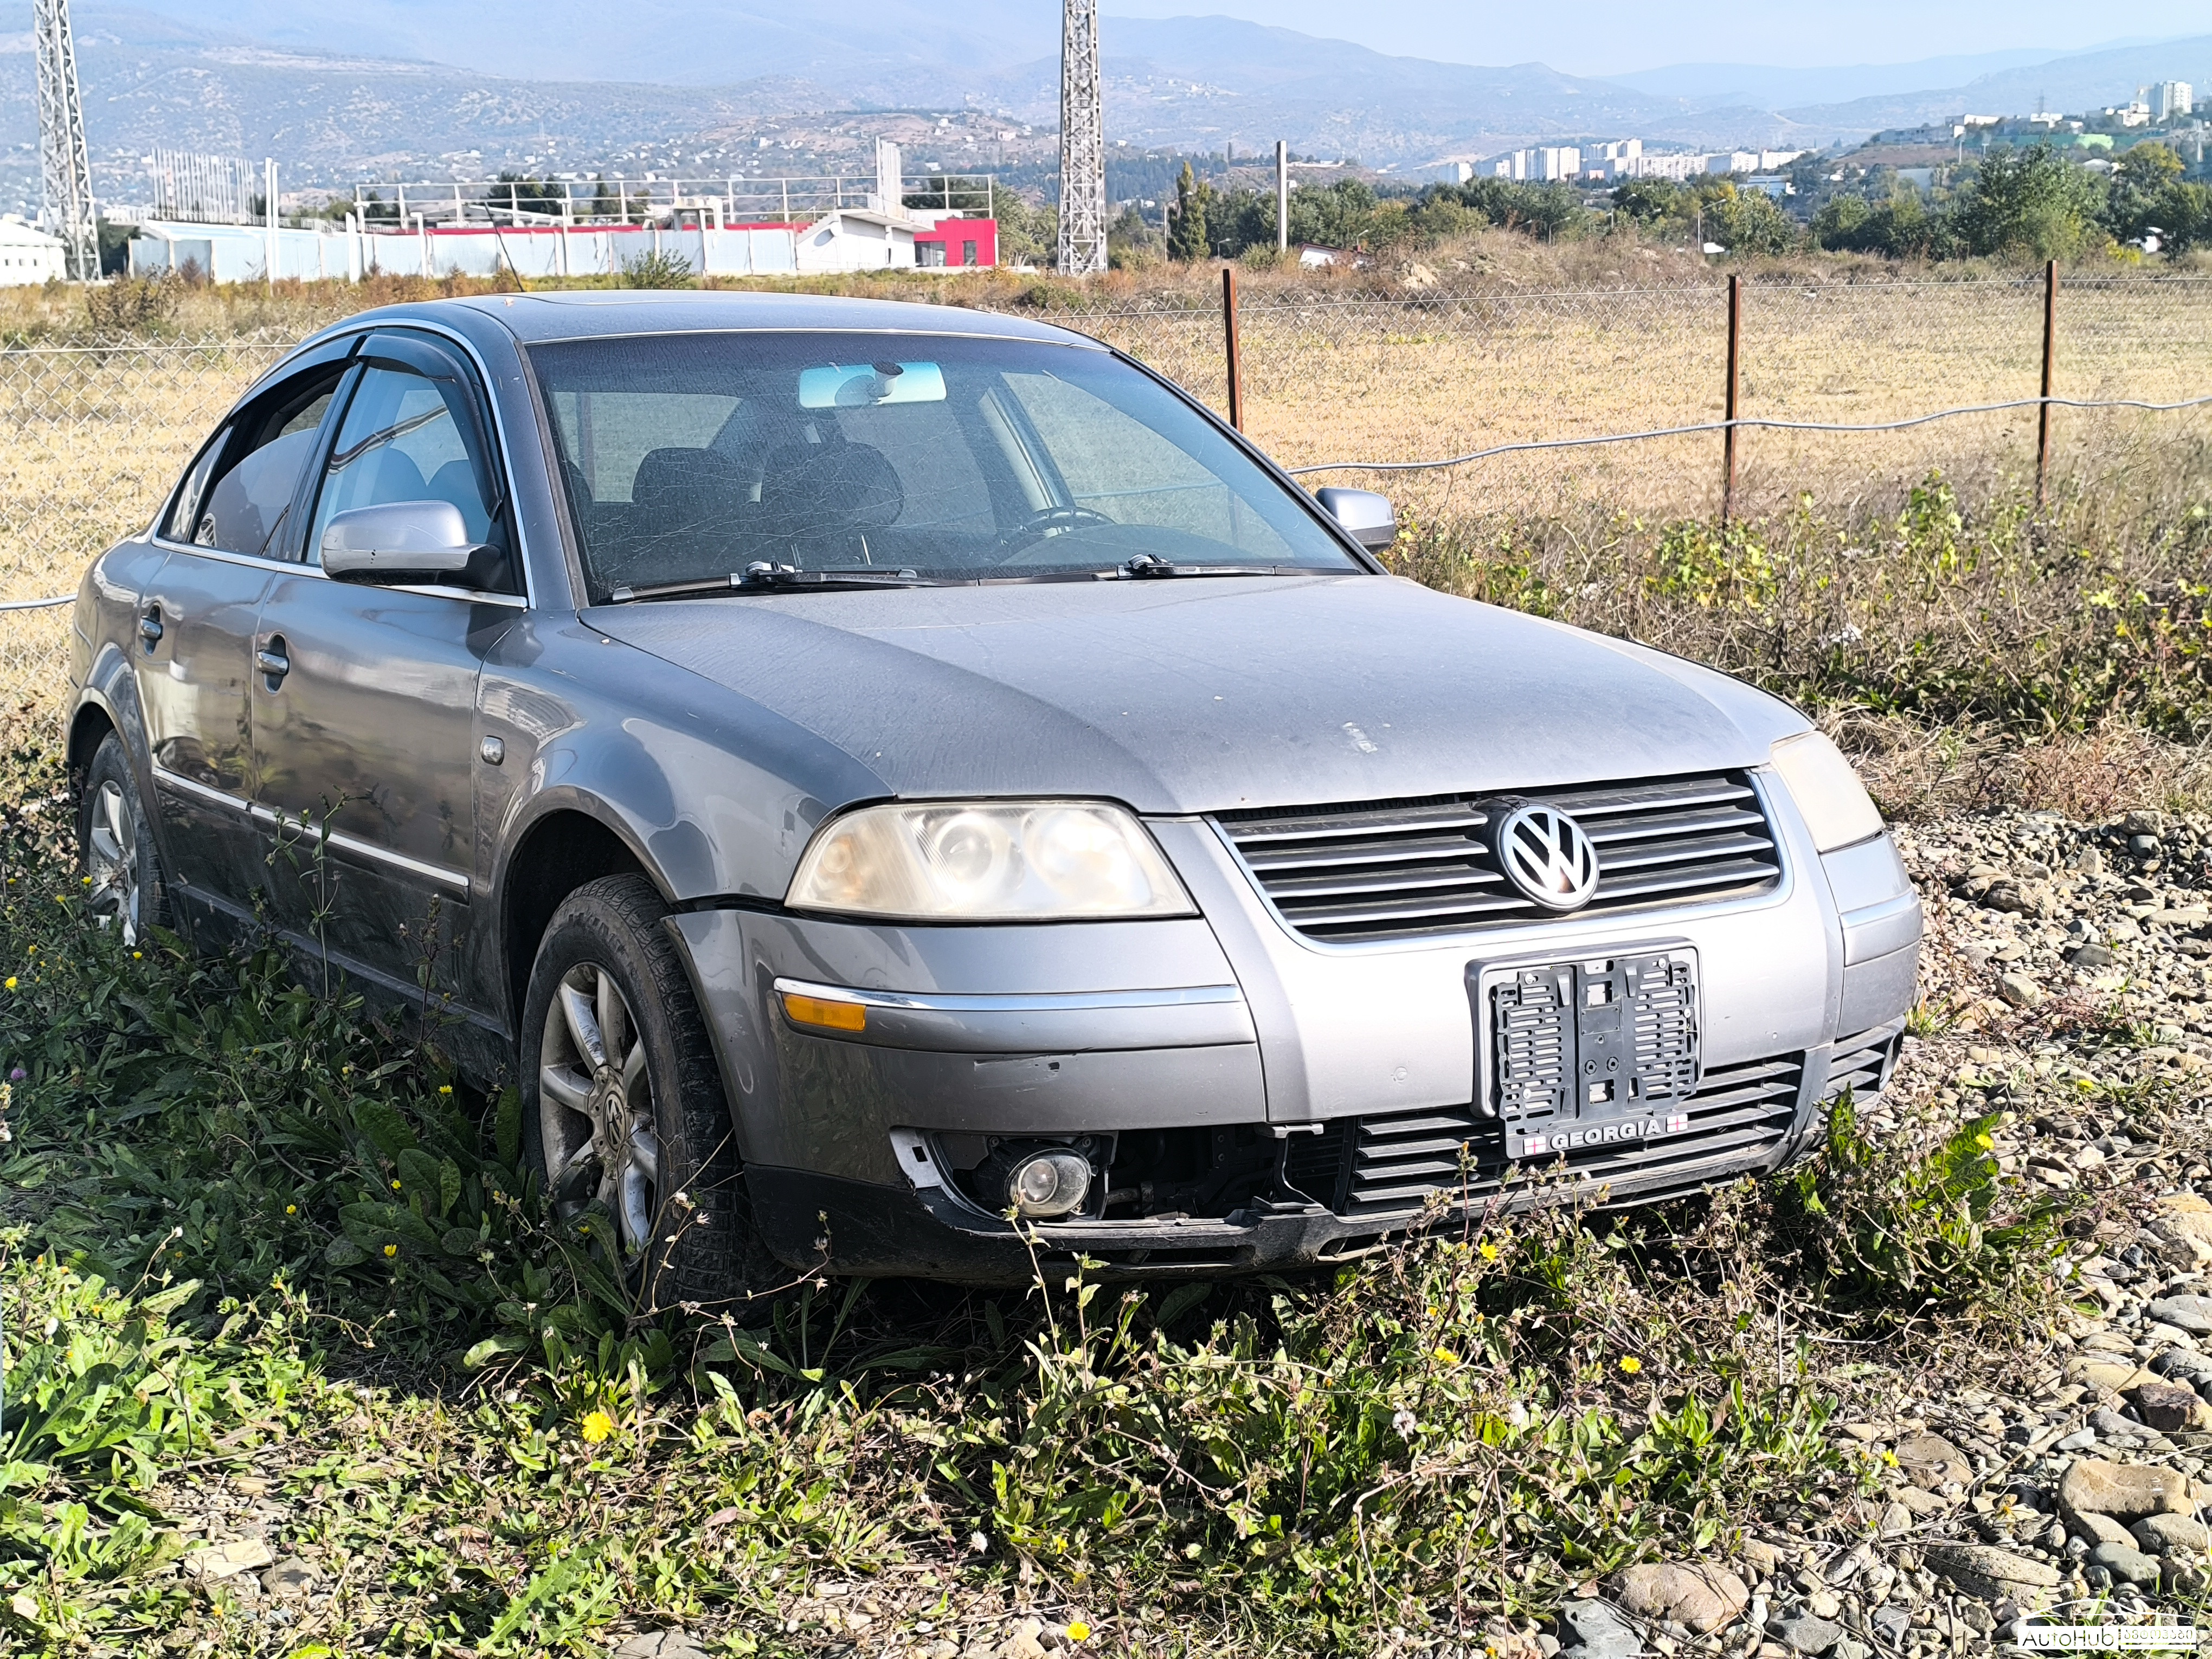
264, 1258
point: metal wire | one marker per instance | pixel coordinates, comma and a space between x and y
1748, 421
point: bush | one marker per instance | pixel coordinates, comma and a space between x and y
658, 268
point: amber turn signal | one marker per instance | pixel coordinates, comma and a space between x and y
820, 1010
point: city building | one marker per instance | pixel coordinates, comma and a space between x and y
2170, 99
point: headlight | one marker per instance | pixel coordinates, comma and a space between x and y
1829, 795
1046, 860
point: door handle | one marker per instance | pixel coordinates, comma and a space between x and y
149, 626
272, 662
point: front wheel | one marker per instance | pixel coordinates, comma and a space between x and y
125, 890
622, 1108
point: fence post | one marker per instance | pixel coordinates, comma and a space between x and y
1734, 378
1236, 361
2049, 354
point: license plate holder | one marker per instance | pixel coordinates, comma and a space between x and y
1601, 1049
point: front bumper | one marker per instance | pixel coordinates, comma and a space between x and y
1360, 1061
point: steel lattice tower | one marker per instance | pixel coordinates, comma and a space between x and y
1082, 246
64, 159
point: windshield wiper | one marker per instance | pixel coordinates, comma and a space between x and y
1148, 566
762, 577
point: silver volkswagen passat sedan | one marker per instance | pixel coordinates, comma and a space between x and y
886, 780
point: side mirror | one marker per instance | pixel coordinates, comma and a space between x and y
1371, 519
395, 543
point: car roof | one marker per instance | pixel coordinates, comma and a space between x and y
580, 314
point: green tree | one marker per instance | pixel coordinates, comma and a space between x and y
1187, 236
1747, 221
1650, 201
2027, 202
2146, 196
1027, 230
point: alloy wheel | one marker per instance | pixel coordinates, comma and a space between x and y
595, 1106
112, 853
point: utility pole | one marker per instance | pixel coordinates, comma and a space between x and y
1082, 242
65, 161
1282, 197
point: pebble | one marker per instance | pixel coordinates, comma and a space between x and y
2172, 1534
2192, 1314
1703, 1598
660, 1644
2125, 1492
2125, 1562
1804, 1633
1591, 1630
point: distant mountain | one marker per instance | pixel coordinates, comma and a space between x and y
2083, 81
1762, 86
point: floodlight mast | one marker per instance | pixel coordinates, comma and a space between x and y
1081, 245
64, 159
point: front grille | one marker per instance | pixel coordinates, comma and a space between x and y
1390, 1164
1384, 870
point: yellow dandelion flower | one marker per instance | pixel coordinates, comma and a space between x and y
11, 981
445, 1088
1446, 1357
1630, 1364
598, 1426
395, 1186
1983, 1142
392, 1249
1489, 1251
291, 1209
1079, 1631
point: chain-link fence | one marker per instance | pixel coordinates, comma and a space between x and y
95, 434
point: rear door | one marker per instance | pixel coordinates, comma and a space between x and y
225, 536
363, 698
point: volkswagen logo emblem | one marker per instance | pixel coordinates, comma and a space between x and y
1545, 855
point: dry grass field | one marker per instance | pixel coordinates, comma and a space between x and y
1509, 344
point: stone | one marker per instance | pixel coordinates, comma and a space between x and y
1988, 1573
2167, 1406
1896, 1520
291, 1579
2124, 1561
2116, 1374
1893, 1624
2143, 822
662, 1644
2019, 990
1026, 1642
1591, 1630
1929, 1461
1761, 1557
2080, 1440
1849, 1648
2185, 1312
2172, 1534
2102, 1529
226, 1560
2184, 1214
1802, 1632
1922, 1503
1823, 1604
2091, 956
2125, 1492
1703, 1597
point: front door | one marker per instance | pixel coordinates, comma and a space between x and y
363, 698
224, 536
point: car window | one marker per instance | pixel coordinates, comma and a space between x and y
240, 490
687, 458
404, 437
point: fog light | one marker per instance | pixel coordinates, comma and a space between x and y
1045, 1182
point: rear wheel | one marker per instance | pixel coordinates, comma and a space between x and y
126, 892
622, 1108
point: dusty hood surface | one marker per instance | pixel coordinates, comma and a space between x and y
1197, 696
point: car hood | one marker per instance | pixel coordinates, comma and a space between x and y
1196, 694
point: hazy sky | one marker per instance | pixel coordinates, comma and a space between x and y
1613, 37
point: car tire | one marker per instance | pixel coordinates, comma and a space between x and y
610, 1014
125, 890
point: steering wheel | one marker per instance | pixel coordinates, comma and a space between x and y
1047, 521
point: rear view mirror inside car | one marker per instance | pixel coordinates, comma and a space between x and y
863, 385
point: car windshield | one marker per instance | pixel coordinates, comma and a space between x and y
691, 457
